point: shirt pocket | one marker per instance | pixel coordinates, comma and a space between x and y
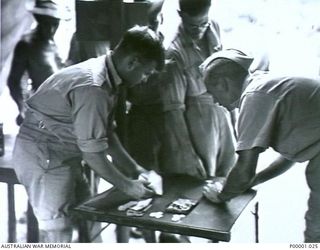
54, 156
195, 84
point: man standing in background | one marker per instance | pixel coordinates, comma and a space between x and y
182, 129
36, 55
210, 131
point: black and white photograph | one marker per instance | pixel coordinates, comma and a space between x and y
160, 121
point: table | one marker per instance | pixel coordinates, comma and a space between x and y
8, 176
206, 220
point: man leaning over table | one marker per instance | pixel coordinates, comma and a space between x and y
70, 118
281, 112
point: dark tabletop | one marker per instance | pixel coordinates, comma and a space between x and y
207, 220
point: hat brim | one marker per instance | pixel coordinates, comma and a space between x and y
241, 59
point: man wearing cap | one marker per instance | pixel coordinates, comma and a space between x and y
36, 53
71, 117
275, 111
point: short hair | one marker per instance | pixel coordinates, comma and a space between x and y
194, 7
145, 42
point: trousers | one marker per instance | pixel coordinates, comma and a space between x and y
51, 173
312, 216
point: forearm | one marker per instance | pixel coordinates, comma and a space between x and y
106, 169
241, 175
237, 182
121, 158
14, 85
16, 75
276, 168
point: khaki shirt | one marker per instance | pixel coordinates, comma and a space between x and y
76, 104
282, 113
188, 56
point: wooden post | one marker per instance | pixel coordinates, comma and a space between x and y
11, 215
256, 221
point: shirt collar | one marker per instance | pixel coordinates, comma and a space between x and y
112, 70
210, 34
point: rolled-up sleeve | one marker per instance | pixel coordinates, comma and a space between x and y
91, 118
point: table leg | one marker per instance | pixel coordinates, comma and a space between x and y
256, 221
84, 235
11, 215
149, 236
122, 234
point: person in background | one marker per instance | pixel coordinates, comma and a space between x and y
36, 54
281, 112
181, 127
208, 124
70, 118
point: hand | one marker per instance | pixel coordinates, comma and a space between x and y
138, 189
154, 179
218, 180
212, 190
